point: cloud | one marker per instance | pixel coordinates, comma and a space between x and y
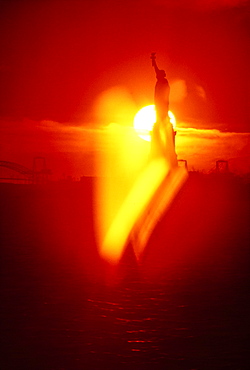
202, 4
68, 149
178, 91
29, 135
72, 149
201, 92
215, 4
202, 148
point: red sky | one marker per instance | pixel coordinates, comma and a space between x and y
57, 57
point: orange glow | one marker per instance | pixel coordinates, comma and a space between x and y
138, 181
124, 156
115, 105
132, 208
145, 119
142, 209
159, 204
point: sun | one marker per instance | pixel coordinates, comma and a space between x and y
145, 119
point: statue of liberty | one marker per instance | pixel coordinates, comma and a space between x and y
162, 143
162, 90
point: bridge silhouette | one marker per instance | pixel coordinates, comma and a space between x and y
38, 174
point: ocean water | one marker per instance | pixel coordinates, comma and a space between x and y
185, 305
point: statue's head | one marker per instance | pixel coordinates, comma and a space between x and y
161, 74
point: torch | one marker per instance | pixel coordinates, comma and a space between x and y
153, 57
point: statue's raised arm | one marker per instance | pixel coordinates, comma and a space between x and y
153, 58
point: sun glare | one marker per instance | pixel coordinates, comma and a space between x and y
145, 119
131, 200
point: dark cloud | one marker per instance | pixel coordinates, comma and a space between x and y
202, 4
69, 148
202, 148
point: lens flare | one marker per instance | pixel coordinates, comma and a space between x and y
137, 186
145, 119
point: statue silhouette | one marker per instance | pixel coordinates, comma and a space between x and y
163, 135
162, 91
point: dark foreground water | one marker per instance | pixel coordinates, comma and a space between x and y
186, 306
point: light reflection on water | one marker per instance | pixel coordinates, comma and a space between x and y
185, 307
134, 322
173, 324
140, 324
